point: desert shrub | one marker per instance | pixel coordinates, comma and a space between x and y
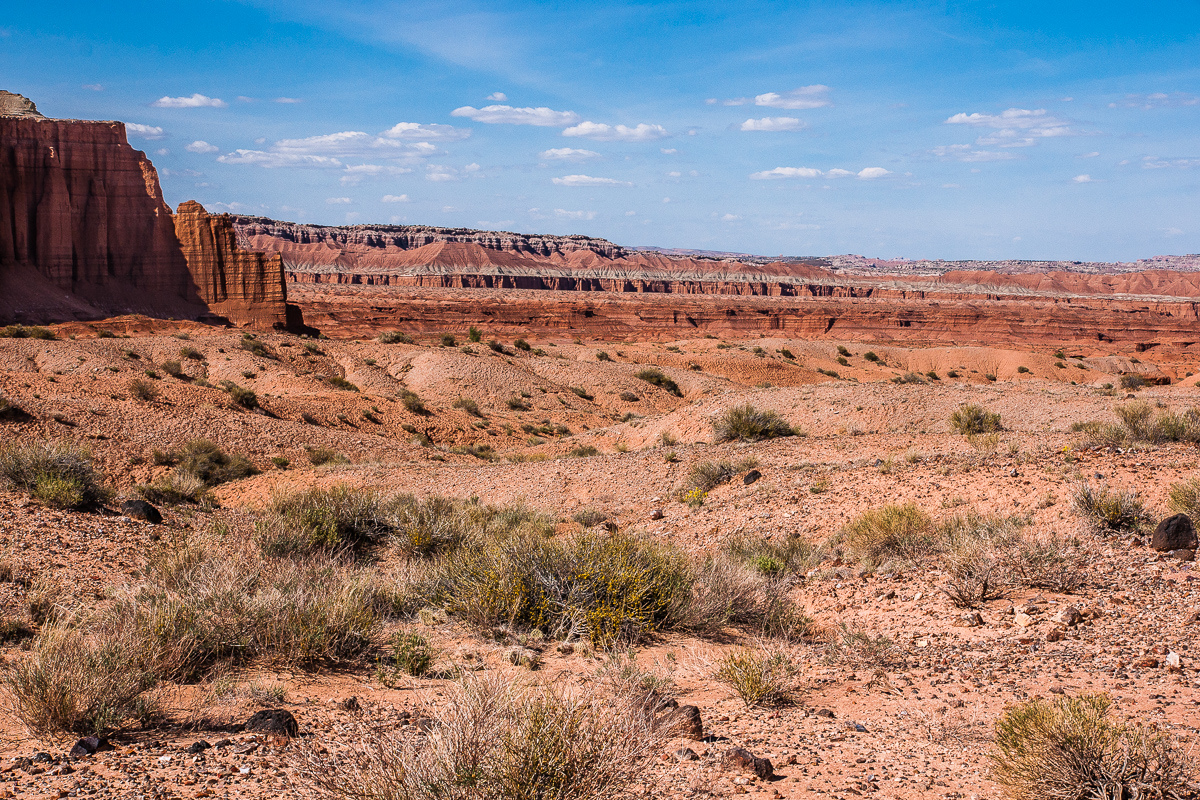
411, 653
337, 518
842, 361
629, 397
606, 588
205, 603
861, 650
428, 527
468, 405
1069, 747
892, 531
517, 404
1023, 369
783, 351
580, 392
1184, 498
11, 411
976, 575
760, 676
748, 424
590, 517
474, 334
317, 456
1141, 424
1109, 510
655, 377
495, 741
970, 419
583, 451
191, 353
58, 473
495, 346
774, 558
726, 592
338, 382
1052, 565
908, 377
413, 402
1100, 434
483, 452
239, 395
73, 682
708, 475
870, 356
448, 340
256, 347
144, 390
603, 356
23, 332
173, 368
1132, 382
281, 462
521, 344
205, 460
176, 488
990, 378
396, 337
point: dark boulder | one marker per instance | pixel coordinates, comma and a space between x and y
140, 509
273, 720
1174, 533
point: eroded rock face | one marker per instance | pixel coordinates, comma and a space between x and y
244, 286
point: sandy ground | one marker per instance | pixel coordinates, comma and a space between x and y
915, 723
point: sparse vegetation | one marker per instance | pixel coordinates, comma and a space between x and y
144, 390
448, 340
26, 332
708, 475
58, 473
748, 424
413, 402
396, 337
870, 356
971, 419
760, 676
655, 377
318, 456
338, 382
1111, 511
468, 405
890, 532
583, 451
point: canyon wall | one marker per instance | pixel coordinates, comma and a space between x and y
85, 233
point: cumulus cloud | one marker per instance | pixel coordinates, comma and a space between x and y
270, 160
338, 201
814, 96
564, 214
143, 131
507, 115
414, 131
567, 154
617, 133
1083, 179
1093, 154
331, 151
1154, 162
588, 180
355, 173
868, 173
730, 217
394, 198
771, 124
967, 154
441, 174
234, 207
195, 101
1156, 100
497, 97
201, 146
1015, 127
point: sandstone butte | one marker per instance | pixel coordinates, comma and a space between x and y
85, 233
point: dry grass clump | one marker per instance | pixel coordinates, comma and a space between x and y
496, 741
973, 419
468, 405
1069, 748
142, 389
319, 456
75, 682
656, 377
200, 464
902, 532
748, 424
727, 592
708, 475
58, 473
428, 527
1109, 510
330, 519
770, 557
1140, 424
413, 402
1184, 498
395, 337
759, 675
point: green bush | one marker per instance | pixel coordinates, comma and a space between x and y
256, 347
892, 531
411, 653
759, 676
330, 519
23, 332
971, 419
318, 456
583, 451
144, 390
395, 337
521, 344
655, 377
240, 396
870, 356
174, 369
413, 402
468, 405
1069, 747
474, 334
448, 340
59, 473
748, 424
208, 462
1108, 510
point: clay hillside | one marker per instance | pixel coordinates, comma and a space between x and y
417, 513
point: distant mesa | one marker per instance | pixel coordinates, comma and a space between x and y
85, 234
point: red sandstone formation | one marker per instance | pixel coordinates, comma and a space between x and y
85, 233
243, 286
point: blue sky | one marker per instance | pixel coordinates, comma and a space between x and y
920, 130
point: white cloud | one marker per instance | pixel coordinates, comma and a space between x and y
394, 198
567, 154
93, 87
787, 172
730, 217
541, 116
288, 100
1083, 179
355, 173
838, 173
805, 97
338, 201
201, 146
195, 101
271, 160
1015, 127
588, 180
497, 97
441, 174
1154, 162
668, 151
143, 131
772, 124
617, 133
234, 207
870, 173
241, 98
563, 214
951, 186
631, 213
666, 199
426, 133
965, 153
1156, 100
1173, 231
1093, 154
162, 151
355, 143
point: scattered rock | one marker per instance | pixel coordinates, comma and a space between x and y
1056, 635
1183, 555
1148, 662
972, 619
1174, 533
350, 704
657, 514
686, 722
1022, 620
1173, 662
273, 720
751, 476
86, 746
825, 712
523, 657
140, 509
1069, 616
686, 754
198, 747
745, 761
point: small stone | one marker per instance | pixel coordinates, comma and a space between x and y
1012, 473
88, 745
198, 747
1148, 662
1174, 533
273, 720
860, 728
686, 721
686, 754
751, 476
140, 509
1069, 616
971, 620
1183, 555
825, 712
523, 657
350, 704
1173, 662
1055, 635
888, 595
744, 760
1022, 620
657, 514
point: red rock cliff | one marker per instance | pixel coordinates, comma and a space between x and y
245, 287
